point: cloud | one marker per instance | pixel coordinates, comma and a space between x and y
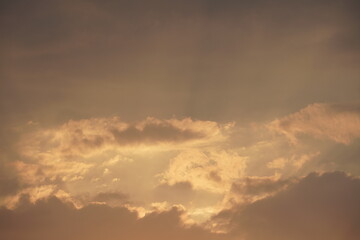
179, 192
278, 163
340, 123
193, 163
90, 136
111, 198
317, 207
341, 157
54, 219
219, 60
199, 204
211, 170
81, 150
252, 188
154, 131
9, 182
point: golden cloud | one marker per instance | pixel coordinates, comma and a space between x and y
90, 149
340, 123
211, 170
90, 136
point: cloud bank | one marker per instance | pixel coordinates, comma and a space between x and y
317, 207
54, 219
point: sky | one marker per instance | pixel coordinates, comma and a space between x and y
179, 119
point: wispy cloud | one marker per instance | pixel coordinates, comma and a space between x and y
340, 123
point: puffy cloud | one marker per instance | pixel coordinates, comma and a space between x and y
317, 207
197, 164
212, 170
340, 123
94, 149
54, 219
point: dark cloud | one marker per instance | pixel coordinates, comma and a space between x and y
9, 179
318, 207
88, 135
250, 187
339, 157
109, 197
53, 219
9, 182
183, 193
213, 175
155, 133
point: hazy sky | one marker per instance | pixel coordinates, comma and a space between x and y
179, 119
